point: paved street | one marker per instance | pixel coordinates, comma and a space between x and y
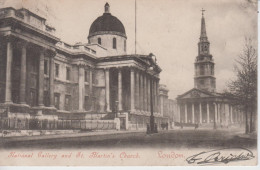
187, 138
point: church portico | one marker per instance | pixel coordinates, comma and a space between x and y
206, 110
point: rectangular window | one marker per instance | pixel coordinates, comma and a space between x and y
46, 67
86, 76
57, 100
93, 78
67, 102
32, 97
67, 73
86, 104
34, 65
93, 102
57, 67
46, 98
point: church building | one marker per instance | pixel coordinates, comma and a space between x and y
203, 104
44, 78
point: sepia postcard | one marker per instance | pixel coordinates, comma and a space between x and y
128, 83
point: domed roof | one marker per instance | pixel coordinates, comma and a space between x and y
107, 23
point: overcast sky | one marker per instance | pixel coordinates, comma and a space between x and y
170, 29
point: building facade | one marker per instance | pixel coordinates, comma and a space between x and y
202, 104
43, 78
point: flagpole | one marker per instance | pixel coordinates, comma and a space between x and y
135, 26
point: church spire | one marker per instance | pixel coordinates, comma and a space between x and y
203, 43
204, 64
203, 33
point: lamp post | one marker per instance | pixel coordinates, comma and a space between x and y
151, 101
151, 68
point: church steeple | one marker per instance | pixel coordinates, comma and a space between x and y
204, 64
203, 43
203, 33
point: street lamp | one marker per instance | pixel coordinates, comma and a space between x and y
152, 124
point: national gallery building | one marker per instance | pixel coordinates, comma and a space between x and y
43, 78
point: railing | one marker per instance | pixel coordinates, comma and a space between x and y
36, 124
27, 17
76, 48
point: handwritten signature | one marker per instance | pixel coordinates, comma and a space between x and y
225, 155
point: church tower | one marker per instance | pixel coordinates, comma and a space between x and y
204, 64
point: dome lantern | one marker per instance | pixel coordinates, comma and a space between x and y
107, 8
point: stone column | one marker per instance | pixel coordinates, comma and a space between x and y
120, 89
216, 112
132, 90
41, 78
200, 114
51, 76
231, 114
8, 84
161, 110
179, 111
144, 92
186, 116
107, 90
219, 113
137, 91
155, 96
91, 89
141, 93
242, 117
227, 114
81, 87
23, 75
207, 112
192, 119
148, 94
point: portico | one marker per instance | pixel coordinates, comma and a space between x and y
201, 107
130, 79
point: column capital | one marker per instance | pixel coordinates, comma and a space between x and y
119, 68
107, 68
9, 38
50, 52
132, 68
22, 43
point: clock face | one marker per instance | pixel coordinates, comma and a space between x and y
205, 48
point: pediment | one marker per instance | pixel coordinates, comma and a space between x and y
195, 93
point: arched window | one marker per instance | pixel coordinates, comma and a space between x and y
99, 41
114, 43
124, 45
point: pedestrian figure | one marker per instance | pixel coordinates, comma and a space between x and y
148, 129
